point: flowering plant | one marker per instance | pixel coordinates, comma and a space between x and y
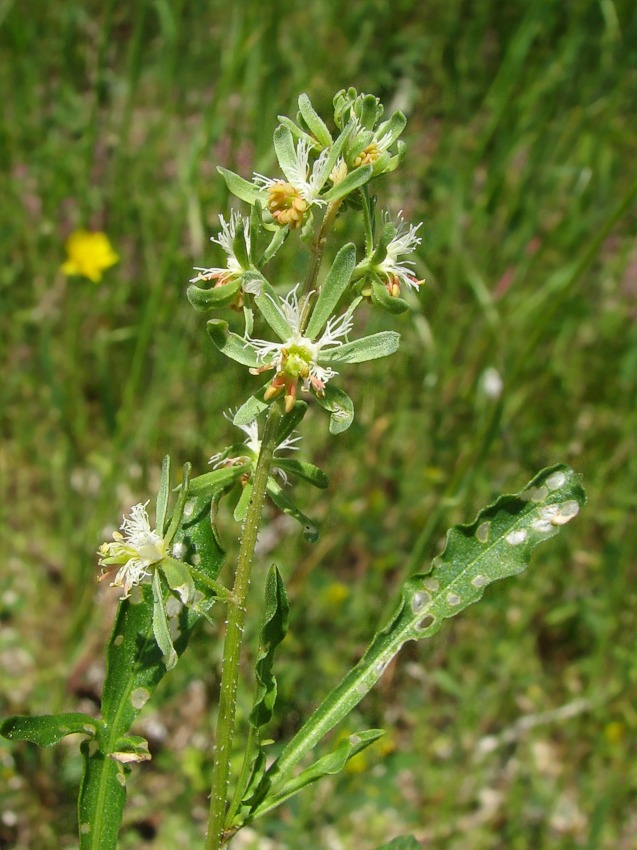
170, 573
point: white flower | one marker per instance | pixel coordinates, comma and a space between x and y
225, 240
404, 242
307, 184
253, 444
134, 552
298, 356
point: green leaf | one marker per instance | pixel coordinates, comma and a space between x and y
214, 298
130, 749
405, 842
356, 178
253, 282
382, 298
162, 496
241, 509
314, 122
332, 289
327, 765
340, 406
243, 189
101, 800
273, 630
366, 348
279, 237
291, 420
393, 127
298, 133
304, 470
251, 408
211, 483
497, 544
286, 153
268, 303
48, 729
160, 624
231, 344
285, 504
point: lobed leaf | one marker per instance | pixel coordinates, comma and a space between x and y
497, 544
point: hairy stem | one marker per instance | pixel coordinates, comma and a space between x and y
318, 249
234, 636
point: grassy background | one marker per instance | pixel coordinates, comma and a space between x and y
521, 163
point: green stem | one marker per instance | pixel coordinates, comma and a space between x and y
234, 636
317, 256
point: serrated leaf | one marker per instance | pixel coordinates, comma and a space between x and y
340, 406
366, 348
231, 344
214, 298
497, 544
332, 289
354, 180
48, 729
285, 504
243, 189
315, 123
304, 470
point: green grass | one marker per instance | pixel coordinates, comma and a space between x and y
521, 163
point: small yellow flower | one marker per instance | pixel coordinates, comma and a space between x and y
89, 254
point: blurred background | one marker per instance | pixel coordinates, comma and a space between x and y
515, 727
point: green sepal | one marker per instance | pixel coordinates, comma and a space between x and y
339, 405
214, 298
240, 249
393, 127
178, 578
285, 504
304, 470
394, 161
291, 420
101, 800
243, 189
381, 298
332, 289
160, 624
268, 303
211, 483
365, 348
231, 344
252, 407
241, 508
314, 122
405, 842
354, 180
48, 729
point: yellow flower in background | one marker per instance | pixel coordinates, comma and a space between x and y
89, 254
